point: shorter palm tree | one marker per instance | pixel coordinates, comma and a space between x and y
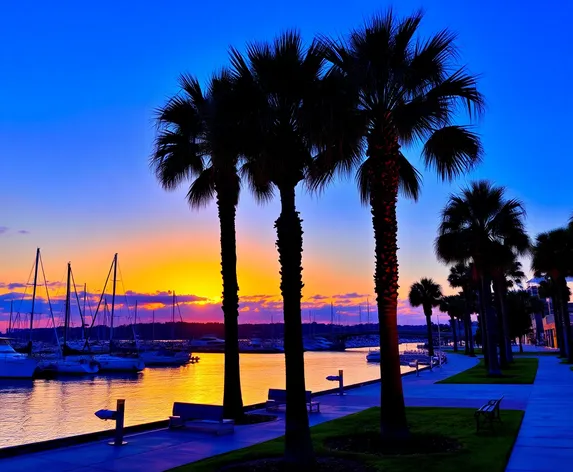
461, 276
426, 293
454, 306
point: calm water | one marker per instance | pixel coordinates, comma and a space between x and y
46, 409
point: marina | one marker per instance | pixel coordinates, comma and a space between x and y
28, 405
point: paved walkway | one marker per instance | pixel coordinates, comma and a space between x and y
164, 449
545, 440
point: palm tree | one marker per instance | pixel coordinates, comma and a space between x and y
553, 256
195, 143
454, 306
548, 290
294, 117
481, 226
507, 274
407, 91
428, 294
461, 276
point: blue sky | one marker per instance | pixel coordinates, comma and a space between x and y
80, 82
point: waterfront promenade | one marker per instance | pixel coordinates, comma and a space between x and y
544, 442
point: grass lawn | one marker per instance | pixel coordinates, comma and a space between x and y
487, 451
522, 371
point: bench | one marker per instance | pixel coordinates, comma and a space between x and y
488, 413
277, 397
197, 417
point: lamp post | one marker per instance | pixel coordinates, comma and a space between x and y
439, 342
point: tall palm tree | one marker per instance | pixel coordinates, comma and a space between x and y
407, 91
461, 276
196, 144
553, 256
481, 226
427, 294
454, 306
295, 117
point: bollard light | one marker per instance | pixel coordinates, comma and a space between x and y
117, 416
340, 379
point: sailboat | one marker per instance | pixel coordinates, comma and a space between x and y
166, 357
65, 364
14, 365
109, 362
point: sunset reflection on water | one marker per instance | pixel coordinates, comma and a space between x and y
45, 409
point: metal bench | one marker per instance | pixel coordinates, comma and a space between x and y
197, 417
488, 413
277, 397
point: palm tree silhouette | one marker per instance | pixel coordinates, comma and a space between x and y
197, 142
294, 119
407, 91
427, 294
481, 226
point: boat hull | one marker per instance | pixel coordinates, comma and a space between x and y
68, 367
119, 364
16, 367
155, 359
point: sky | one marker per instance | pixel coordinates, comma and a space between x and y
78, 90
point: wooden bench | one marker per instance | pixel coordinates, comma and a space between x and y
488, 413
197, 417
277, 397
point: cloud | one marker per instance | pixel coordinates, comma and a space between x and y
23, 231
12, 286
350, 296
318, 297
4, 229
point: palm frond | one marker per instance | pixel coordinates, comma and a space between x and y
410, 179
202, 189
452, 150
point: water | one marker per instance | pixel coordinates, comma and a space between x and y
46, 409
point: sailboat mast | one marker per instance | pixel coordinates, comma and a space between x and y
113, 300
331, 318
173, 318
367, 310
85, 314
67, 312
34, 292
135, 315
153, 326
11, 311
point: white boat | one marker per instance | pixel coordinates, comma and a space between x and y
14, 365
373, 356
165, 357
317, 343
207, 343
68, 366
109, 363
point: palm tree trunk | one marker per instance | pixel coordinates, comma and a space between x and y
468, 325
454, 332
567, 335
558, 326
505, 354
428, 314
521, 344
232, 398
489, 334
298, 445
383, 197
